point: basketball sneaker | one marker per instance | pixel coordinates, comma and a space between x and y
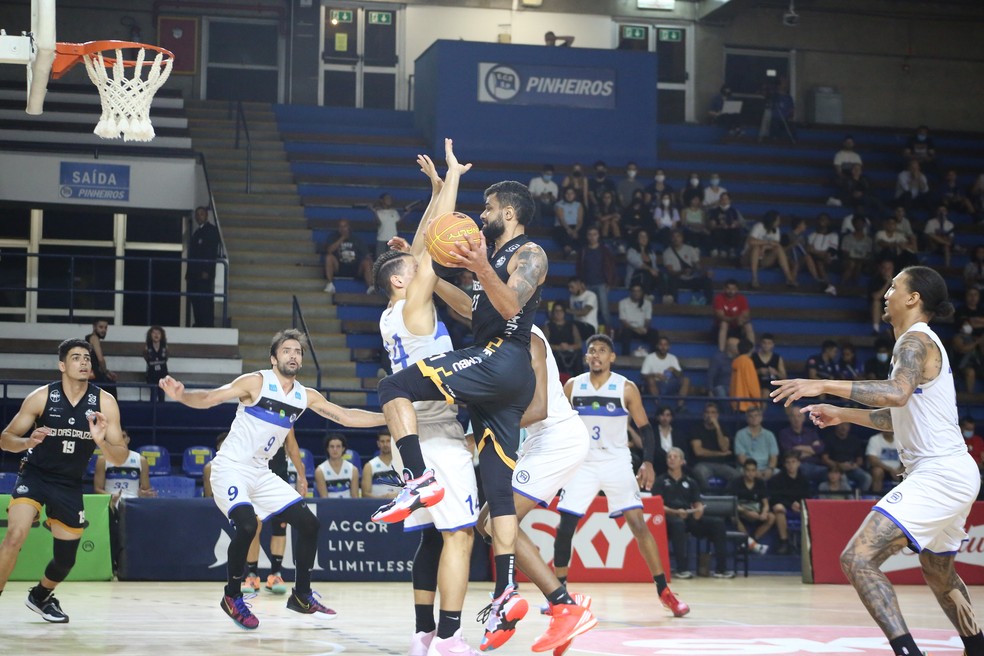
238, 610
672, 604
251, 584
581, 600
275, 584
49, 608
500, 618
308, 604
421, 492
567, 621
420, 642
453, 646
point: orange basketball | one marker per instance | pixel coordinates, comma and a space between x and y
442, 233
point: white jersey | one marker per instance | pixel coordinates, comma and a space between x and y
927, 426
602, 410
384, 478
339, 484
405, 349
124, 478
259, 430
558, 407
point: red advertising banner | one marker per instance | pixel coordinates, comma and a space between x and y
603, 549
834, 522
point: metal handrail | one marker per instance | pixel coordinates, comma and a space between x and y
297, 320
223, 253
241, 120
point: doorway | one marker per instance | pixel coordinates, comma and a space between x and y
673, 45
360, 62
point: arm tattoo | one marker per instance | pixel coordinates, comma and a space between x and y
907, 372
526, 278
881, 419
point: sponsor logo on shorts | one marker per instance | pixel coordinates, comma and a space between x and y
22, 489
500, 261
54, 395
523, 476
464, 363
894, 497
91, 399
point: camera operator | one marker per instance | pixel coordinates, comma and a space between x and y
778, 111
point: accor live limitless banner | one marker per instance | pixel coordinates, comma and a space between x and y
527, 84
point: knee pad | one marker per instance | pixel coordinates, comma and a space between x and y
302, 519
497, 483
243, 518
565, 534
63, 559
427, 559
278, 526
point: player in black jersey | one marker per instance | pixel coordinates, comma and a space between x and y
59, 425
494, 377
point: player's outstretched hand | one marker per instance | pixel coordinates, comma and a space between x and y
172, 387
823, 414
795, 388
97, 427
37, 436
427, 168
471, 254
452, 161
399, 244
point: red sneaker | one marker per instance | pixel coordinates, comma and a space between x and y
567, 621
500, 618
672, 604
238, 610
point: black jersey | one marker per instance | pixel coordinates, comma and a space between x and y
65, 452
487, 323
278, 463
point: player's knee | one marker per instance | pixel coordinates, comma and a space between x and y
460, 539
244, 519
14, 539
394, 386
303, 520
63, 559
278, 528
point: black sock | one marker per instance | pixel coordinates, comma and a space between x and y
559, 596
40, 593
413, 459
562, 579
974, 645
275, 563
904, 645
504, 568
425, 617
448, 622
660, 583
234, 588
251, 567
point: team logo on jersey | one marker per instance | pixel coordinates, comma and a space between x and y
513, 247
282, 413
91, 399
273, 388
293, 418
523, 476
71, 421
22, 489
894, 497
89, 413
610, 407
500, 261
584, 386
611, 386
685, 484
297, 395
54, 395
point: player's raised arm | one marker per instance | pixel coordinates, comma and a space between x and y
351, 417
13, 437
106, 430
246, 389
427, 168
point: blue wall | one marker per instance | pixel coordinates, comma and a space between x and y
446, 105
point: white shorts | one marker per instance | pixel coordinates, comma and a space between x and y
452, 464
549, 459
234, 484
606, 470
932, 504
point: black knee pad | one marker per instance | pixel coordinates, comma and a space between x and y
243, 518
565, 534
302, 519
278, 526
63, 559
427, 559
496, 482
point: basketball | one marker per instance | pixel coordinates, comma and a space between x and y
444, 231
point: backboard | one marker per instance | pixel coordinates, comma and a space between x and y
35, 50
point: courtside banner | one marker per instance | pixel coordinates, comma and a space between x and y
92, 563
603, 549
529, 84
834, 521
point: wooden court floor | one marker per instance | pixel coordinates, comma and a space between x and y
758, 616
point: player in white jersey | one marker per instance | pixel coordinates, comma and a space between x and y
605, 400
411, 332
336, 477
270, 401
379, 479
928, 509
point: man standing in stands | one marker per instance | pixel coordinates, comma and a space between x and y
203, 251
58, 427
101, 375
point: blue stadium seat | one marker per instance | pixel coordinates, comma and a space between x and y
174, 487
351, 455
308, 459
158, 459
8, 480
194, 460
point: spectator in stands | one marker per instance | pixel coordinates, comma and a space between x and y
895, 245
856, 249
975, 443
904, 225
583, 306
971, 311
666, 217
693, 220
857, 191
787, 491
607, 215
336, 477
155, 354
824, 364
100, 375
666, 439
977, 197
627, 186
387, 220
691, 189
728, 120
128, 480
545, 191
727, 227
763, 248
599, 184
794, 243
685, 517
953, 195
663, 374
846, 159
847, 224
719, 369
879, 283
822, 249
346, 255
754, 509
569, 222
920, 148
769, 365
713, 191
641, 267
802, 440
848, 367
939, 234
835, 487
744, 377
732, 315
845, 453
755, 442
596, 267
203, 252
635, 316
551, 39
911, 187
565, 341
379, 479
579, 182
636, 218
684, 270
712, 449
973, 273
879, 366
968, 352
882, 454
659, 186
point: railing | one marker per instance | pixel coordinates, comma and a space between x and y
223, 253
241, 121
297, 321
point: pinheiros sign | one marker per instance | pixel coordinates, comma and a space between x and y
92, 181
526, 84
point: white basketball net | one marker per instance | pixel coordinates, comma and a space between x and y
126, 102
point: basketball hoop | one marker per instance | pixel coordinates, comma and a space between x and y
125, 102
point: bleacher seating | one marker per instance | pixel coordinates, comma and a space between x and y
173, 487
8, 481
158, 459
194, 460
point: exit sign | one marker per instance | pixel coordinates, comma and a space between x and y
666, 34
380, 18
634, 32
341, 15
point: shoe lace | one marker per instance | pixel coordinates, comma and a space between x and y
242, 608
483, 615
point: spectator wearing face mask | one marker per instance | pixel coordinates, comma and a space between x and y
544, 190
691, 190
966, 348
579, 182
628, 185
713, 192
975, 443
599, 185
878, 366
659, 186
727, 227
666, 216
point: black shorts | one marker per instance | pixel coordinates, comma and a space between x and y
495, 380
62, 501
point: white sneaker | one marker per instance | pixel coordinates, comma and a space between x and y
420, 643
834, 202
370, 290
640, 352
830, 290
455, 645
330, 288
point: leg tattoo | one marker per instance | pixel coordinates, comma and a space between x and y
950, 591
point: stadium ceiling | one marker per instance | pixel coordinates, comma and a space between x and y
929, 10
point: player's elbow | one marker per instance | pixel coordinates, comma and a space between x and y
510, 311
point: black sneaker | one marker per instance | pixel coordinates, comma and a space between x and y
49, 609
308, 604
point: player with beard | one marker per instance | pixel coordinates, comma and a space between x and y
245, 488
